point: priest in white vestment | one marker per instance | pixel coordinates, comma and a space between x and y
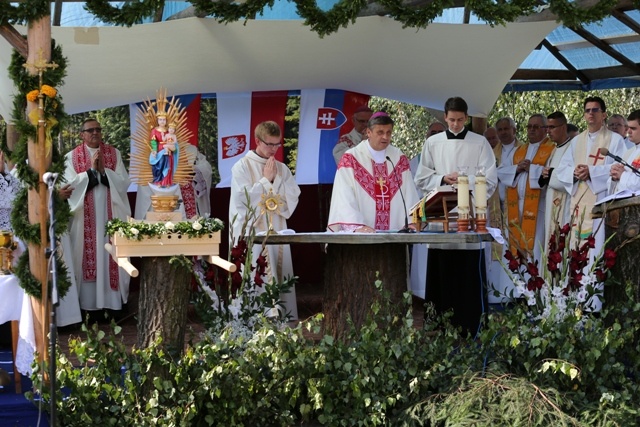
622, 178
497, 275
100, 181
557, 199
456, 275
370, 182
360, 119
525, 200
259, 174
584, 171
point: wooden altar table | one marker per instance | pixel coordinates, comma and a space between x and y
356, 260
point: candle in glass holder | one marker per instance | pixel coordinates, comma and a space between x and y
463, 190
480, 192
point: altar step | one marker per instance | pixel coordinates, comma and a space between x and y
15, 409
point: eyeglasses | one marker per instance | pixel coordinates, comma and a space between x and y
362, 121
535, 127
615, 125
92, 130
592, 110
552, 127
270, 145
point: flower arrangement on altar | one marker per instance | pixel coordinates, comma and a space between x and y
565, 283
237, 304
137, 230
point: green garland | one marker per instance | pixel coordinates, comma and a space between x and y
130, 13
54, 109
32, 286
340, 15
574, 16
24, 12
136, 230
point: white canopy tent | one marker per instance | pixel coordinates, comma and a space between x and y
110, 66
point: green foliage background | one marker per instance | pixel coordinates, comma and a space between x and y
411, 121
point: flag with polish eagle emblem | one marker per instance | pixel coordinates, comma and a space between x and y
238, 116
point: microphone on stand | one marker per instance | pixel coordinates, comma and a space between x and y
605, 152
406, 228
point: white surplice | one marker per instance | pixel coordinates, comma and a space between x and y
96, 295
629, 181
441, 156
509, 178
354, 202
598, 174
247, 178
557, 201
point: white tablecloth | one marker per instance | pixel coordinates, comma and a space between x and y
16, 305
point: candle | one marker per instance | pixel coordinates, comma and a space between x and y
481, 193
463, 194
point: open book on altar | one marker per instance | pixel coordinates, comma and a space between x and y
437, 203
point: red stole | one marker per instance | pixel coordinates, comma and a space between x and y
82, 162
189, 200
380, 186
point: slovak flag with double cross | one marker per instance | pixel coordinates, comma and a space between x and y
324, 117
330, 118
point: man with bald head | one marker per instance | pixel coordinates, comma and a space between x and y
360, 119
492, 136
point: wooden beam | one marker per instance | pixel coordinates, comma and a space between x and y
15, 39
553, 51
606, 49
624, 18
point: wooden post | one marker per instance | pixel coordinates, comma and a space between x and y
39, 43
12, 140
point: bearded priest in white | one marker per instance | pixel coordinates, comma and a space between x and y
584, 171
370, 182
623, 178
525, 199
100, 181
257, 174
456, 275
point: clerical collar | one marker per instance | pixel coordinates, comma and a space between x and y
461, 135
378, 156
561, 145
256, 153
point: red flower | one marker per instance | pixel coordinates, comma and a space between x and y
609, 258
532, 269
535, 283
600, 275
514, 264
554, 259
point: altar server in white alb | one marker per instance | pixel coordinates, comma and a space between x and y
456, 275
100, 181
258, 174
584, 171
371, 180
622, 177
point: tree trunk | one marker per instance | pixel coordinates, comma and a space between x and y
163, 302
349, 287
623, 219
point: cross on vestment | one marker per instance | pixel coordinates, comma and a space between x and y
596, 157
382, 183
